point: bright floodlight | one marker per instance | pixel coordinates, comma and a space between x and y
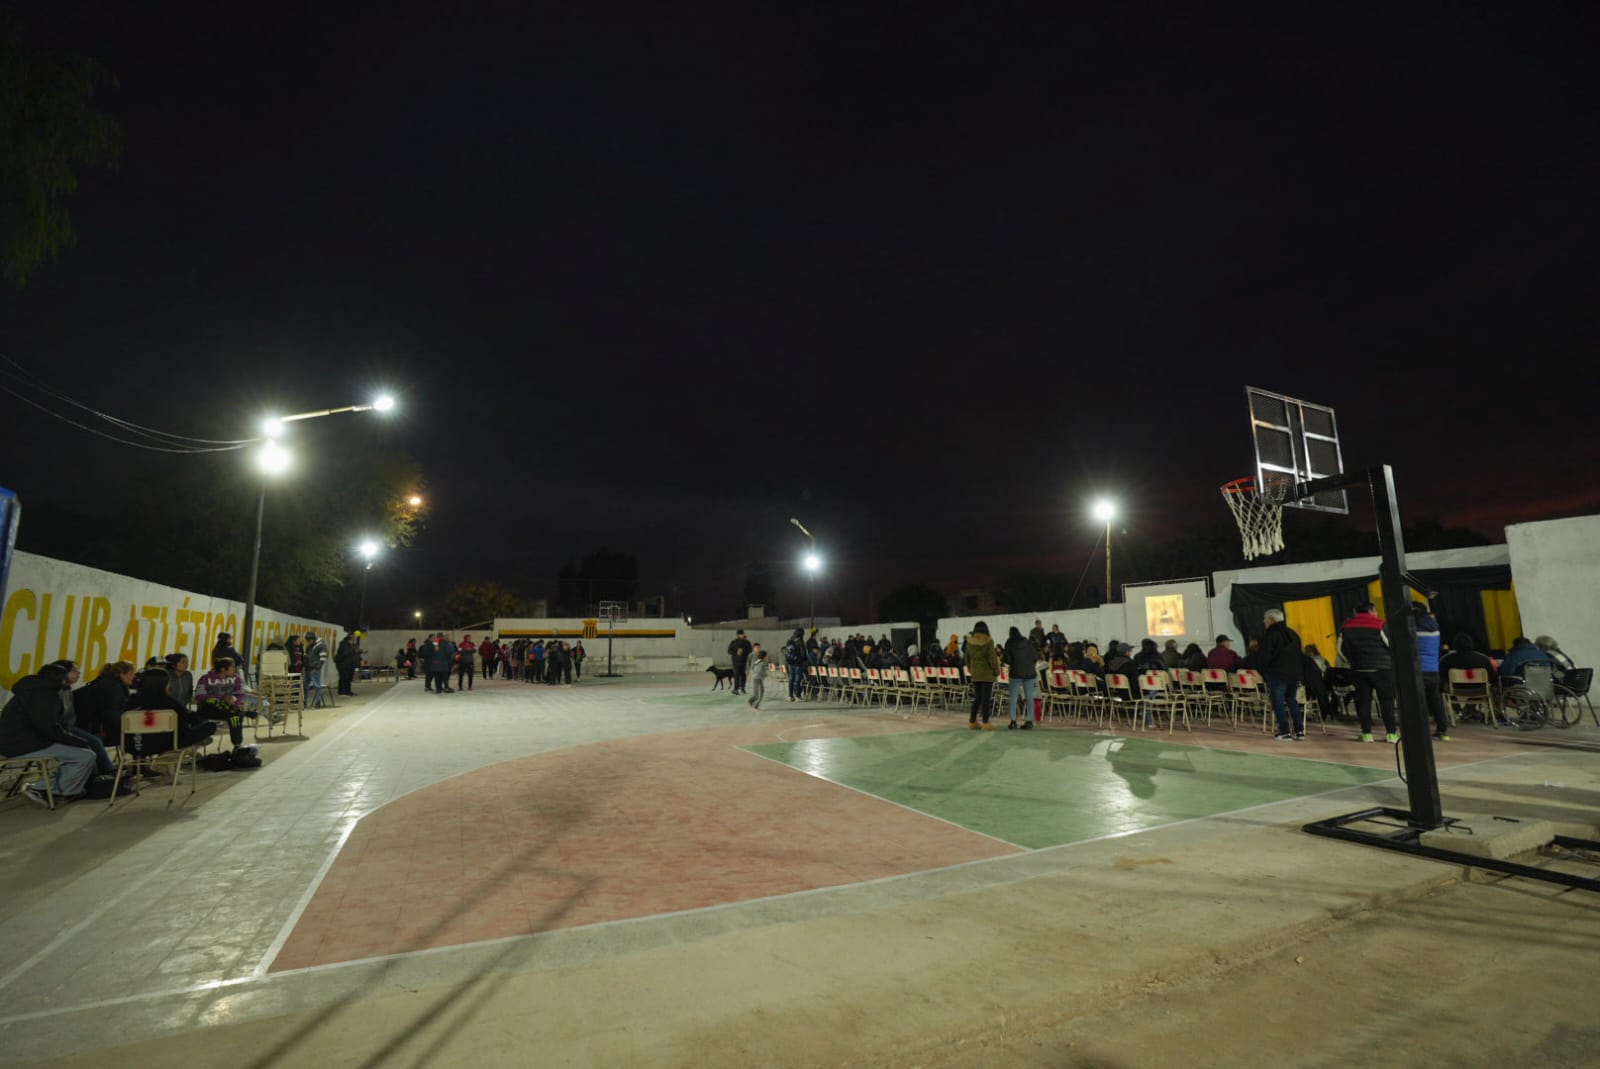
414, 500
272, 427
418, 614
274, 459
813, 562
1104, 510
369, 549
383, 404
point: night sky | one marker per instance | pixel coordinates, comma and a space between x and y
928, 277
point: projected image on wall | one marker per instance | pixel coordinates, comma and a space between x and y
1163, 615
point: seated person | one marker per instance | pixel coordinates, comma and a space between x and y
1150, 658
1223, 657
1463, 655
1118, 661
69, 717
150, 692
221, 695
1558, 657
99, 705
33, 724
181, 686
1194, 658
1522, 654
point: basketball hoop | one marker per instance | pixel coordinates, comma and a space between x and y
1259, 512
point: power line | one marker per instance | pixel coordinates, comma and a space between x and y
120, 441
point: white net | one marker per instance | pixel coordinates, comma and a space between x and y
1258, 509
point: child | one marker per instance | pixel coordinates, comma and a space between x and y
758, 674
219, 695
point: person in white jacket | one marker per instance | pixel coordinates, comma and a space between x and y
758, 674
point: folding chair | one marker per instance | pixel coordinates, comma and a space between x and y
1161, 695
1057, 694
1249, 693
156, 722
1468, 688
29, 770
1122, 698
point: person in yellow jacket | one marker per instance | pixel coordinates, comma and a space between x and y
983, 662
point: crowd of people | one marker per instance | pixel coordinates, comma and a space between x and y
439, 657
50, 716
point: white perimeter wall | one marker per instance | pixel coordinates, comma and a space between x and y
55, 611
1556, 565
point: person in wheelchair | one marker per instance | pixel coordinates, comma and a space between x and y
1560, 663
1522, 654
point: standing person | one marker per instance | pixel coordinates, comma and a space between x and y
488, 654
347, 659
439, 664
316, 659
224, 648
411, 658
1021, 657
1279, 656
1428, 660
297, 656
466, 658
758, 674
578, 656
983, 663
32, 724
425, 656
739, 651
1036, 636
1364, 645
794, 661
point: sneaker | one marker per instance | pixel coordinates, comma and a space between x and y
973, 724
1366, 736
1012, 726
1441, 736
1027, 725
751, 703
1284, 736
1391, 737
791, 697
986, 726
1299, 736
35, 794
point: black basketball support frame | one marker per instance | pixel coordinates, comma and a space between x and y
1404, 828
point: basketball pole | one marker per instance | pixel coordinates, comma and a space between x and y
1416, 742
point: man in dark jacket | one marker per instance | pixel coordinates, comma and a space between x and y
1021, 659
739, 651
1365, 648
347, 659
1279, 656
33, 724
794, 663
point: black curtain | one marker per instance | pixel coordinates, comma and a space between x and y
1457, 604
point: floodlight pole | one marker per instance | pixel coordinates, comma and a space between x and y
255, 574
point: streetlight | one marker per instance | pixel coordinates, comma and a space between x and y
415, 501
274, 459
812, 563
368, 550
1105, 510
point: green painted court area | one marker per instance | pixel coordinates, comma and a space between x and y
1045, 788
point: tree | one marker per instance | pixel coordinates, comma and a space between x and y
919, 602
759, 589
49, 129
472, 603
600, 576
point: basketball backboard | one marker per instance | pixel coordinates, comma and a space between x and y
1298, 440
614, 611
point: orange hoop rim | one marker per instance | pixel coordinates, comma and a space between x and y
1246, 485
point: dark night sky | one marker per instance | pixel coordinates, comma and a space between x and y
710, 271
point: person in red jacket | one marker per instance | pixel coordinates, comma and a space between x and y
488, 653
1363, 644
1223, 657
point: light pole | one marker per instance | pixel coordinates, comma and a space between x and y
273, 459
812, 563
368, 550
1105, 510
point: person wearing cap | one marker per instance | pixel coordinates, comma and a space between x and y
316, 658
1171, 656
1223, 657
739, 649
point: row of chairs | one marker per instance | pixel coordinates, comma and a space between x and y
1178, 695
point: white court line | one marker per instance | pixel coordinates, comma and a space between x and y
194, 844
406, 954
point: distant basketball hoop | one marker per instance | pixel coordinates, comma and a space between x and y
614, 613
1258, 509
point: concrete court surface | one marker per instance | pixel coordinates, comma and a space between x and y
806, 885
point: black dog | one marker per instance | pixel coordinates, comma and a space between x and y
723, 675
